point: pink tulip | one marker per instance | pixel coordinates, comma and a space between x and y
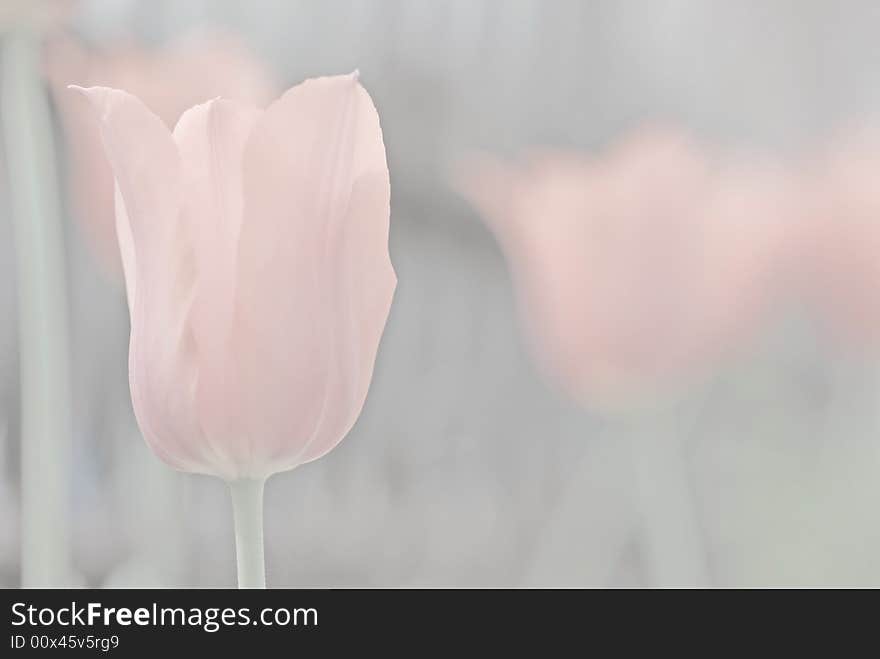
636, 270
637, 267
168, 80
842, 259
255, 250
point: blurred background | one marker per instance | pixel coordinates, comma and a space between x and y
468, 466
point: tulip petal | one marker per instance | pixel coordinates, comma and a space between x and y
126, 247
144, 159
364, 286
211, 138
156, 248
316, 184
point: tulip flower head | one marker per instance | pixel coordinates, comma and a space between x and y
255, 250
169, 80
637, 267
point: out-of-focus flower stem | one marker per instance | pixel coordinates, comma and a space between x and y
43, 323
671, 534
247, 507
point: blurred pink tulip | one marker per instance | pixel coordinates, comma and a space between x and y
636, 267
255, 251
168, 81
842, 260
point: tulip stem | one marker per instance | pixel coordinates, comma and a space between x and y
247, 508
673, 539
42, 313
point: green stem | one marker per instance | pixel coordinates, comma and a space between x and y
675, 551
247, 507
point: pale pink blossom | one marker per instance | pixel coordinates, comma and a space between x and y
639, 266
255, 251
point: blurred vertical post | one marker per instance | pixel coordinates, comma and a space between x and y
43, 323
